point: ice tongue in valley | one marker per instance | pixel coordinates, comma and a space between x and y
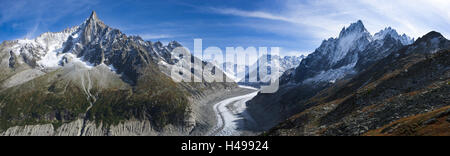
193, 146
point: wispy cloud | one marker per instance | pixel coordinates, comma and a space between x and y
324, 18
156, 36
254, 14
32, 31
309, 23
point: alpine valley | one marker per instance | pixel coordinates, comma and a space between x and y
94, 80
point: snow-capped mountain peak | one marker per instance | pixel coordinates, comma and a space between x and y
49, 48
357, 27
354, 48
404, 39
44, 49
90, 44
355, 37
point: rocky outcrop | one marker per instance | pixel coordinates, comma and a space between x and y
127, 128
30, 130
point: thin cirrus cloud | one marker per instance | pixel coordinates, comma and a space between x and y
318, 28
255, 14
155, 36
323, 19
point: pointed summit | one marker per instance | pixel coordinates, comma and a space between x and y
357, 27
357, 24
93, 16
93, 19
92, 28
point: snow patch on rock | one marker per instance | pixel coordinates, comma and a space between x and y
333, 75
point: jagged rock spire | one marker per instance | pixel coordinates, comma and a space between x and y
93, 19
93, 16
92, 28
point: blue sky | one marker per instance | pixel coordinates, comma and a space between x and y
298, 27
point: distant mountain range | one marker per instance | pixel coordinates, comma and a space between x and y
240, 73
